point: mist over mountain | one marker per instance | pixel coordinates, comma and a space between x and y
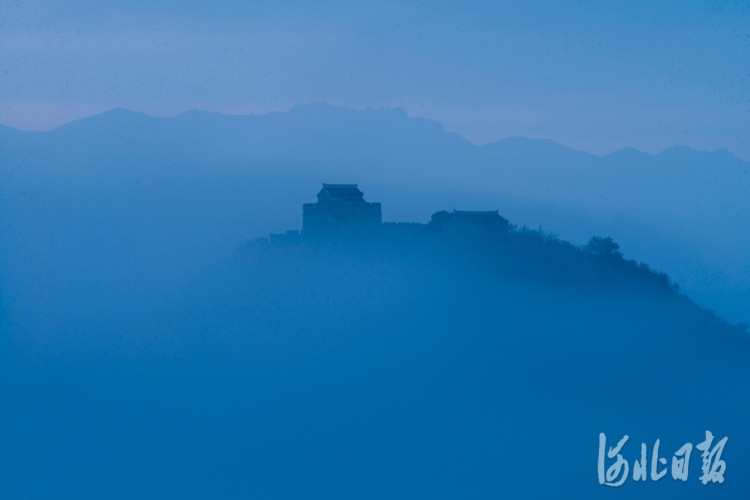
331, 371
148, 350
374, 250
683, 211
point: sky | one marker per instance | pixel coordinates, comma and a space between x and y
597, 76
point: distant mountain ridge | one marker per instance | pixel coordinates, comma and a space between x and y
375, 145
323, 121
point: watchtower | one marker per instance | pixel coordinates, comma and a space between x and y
341, 210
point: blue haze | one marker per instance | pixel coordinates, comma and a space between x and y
145, 355
148, 351
596, 76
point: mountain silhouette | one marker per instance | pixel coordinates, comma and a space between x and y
144, 351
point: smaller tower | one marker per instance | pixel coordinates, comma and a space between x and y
463, 224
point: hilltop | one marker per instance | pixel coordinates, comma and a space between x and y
457, 362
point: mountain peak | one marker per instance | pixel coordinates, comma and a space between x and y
686, 152
112, 118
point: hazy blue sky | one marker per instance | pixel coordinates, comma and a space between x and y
597, 76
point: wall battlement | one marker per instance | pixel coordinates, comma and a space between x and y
341, 213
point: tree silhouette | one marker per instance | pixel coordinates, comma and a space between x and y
603, 246
440, 218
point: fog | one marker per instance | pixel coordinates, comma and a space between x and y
546, 248
149, 351
163, 367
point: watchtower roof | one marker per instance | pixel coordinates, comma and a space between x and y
342, 191
477, 217
475, 212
